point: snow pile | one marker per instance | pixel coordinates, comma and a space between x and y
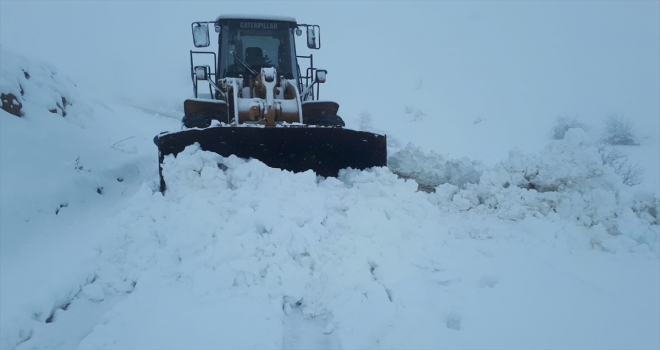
568, 181
29, 87
249, 245
431, 170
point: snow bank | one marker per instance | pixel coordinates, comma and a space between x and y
566, 181
239, 255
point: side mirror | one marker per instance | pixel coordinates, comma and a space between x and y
314, 37
320, 75
200, 33
202, 72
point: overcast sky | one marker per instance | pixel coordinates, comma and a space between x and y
472, 59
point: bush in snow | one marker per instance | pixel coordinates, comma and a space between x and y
563, 124
431, 170
631, 174
619, 131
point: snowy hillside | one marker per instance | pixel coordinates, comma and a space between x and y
484, 231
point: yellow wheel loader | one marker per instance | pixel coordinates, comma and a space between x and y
251, 100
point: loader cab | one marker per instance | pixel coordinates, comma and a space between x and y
256, 44
248, 43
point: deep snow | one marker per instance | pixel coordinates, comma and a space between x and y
539, 246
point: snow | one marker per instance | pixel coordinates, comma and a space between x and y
432, 170
256, 17
516, 240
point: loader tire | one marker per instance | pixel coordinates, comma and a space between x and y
324, 120
197, 120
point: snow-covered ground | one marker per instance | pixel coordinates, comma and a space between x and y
526, 242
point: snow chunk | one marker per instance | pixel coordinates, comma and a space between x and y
431, 170
93, 292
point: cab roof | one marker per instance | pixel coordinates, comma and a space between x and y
256, 18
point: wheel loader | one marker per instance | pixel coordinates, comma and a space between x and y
251, 99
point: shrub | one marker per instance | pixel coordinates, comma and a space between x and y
619, 131
631, 174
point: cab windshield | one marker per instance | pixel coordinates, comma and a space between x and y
259, 48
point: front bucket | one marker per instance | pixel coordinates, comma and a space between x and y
297, 149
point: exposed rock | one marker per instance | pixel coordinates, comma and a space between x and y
11, 104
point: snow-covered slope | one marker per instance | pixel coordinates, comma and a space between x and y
68, 161
541, 250
67, 152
